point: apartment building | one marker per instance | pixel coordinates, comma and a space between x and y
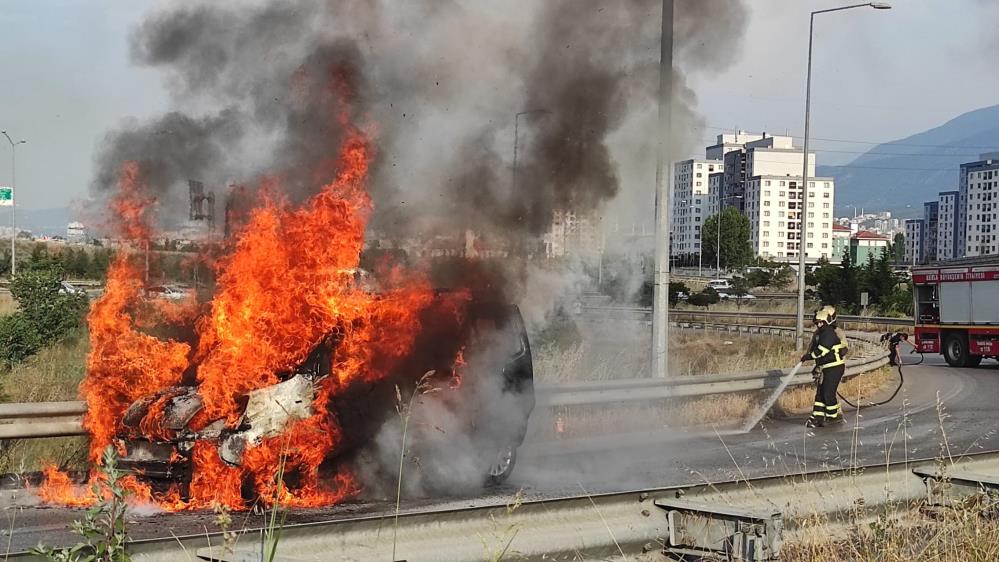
760, 175
691, 203
931, 220
979, 187
776, 211
914, 241
947, 234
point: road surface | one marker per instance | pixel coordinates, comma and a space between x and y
941, 411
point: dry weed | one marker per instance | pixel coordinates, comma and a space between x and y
861, 387
691, 353
963, 532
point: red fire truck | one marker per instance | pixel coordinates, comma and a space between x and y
957, 310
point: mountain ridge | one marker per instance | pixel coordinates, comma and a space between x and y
911, 170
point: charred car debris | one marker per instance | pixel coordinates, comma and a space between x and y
500, 400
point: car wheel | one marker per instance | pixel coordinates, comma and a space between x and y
501, 465
956, 351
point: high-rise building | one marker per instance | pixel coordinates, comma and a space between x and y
774, 207
931, 220
690, 203
761, 176
758, 156
948, 235
914, 241
573, 234
979, 189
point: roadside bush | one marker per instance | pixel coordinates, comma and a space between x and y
675, 289
18, 339
705, 298
51, 311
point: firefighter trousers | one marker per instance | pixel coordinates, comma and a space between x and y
826, 406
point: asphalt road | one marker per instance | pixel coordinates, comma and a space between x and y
941, 411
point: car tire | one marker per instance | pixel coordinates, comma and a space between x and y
501, 464
955, 351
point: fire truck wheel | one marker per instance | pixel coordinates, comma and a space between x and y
956, 350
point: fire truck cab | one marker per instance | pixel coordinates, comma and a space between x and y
956, 309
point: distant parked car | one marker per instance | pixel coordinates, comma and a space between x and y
719, 284
165, 292
67, 288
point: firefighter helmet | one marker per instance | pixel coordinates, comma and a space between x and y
825, 314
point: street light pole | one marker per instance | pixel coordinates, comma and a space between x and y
13, 190
803, 211
516, 139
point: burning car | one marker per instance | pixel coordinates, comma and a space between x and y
162, 431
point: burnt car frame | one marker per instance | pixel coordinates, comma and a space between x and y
498, 423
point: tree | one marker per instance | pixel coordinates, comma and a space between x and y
675, 289
781, 278
705, 298
52, 311
736, 250
837, 285
740, 288
761, 277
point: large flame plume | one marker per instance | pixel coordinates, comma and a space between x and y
287, 281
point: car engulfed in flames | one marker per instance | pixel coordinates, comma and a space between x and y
161, 431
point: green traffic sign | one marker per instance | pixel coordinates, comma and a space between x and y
6, 196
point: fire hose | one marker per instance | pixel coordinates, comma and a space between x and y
901, 381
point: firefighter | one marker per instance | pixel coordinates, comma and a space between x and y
828, 350
894, 340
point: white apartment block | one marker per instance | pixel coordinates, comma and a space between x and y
980, 182
573, 234
690, 203
728, 142
947, 233
773, 204
760, 175
914, 241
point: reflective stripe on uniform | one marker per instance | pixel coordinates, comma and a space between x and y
820, 404
836, 407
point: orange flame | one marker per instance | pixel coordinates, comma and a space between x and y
287, 283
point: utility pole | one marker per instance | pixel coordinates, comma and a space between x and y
660, 304
13, 205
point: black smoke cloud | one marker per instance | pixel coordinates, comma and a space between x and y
590, 67
441, 81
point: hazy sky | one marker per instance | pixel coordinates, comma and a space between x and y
66, 78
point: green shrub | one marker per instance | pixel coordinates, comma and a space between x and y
18, 339
52, 311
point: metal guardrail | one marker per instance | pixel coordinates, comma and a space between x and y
711, 518
62, 419
635, 390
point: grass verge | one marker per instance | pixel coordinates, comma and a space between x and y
53, 374
967, 531
691, 353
